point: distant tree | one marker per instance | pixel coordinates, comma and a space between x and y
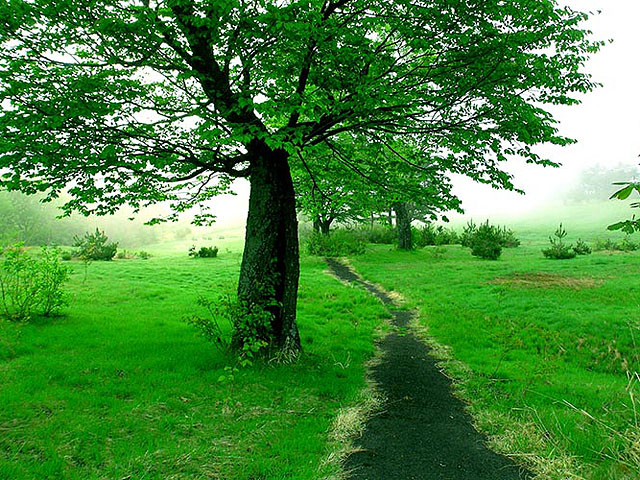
143, 101
594, 183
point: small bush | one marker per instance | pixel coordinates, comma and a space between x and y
234, 325
626, 245
66, 255
485, 242
581, 248
339, 243
506, 236
431, 234
95, 246
203, 252
51, 276
142, 255
559, 250
28, 284
377, 234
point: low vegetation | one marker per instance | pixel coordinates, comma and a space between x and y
95, 247
203, 252
545, 352
31, 284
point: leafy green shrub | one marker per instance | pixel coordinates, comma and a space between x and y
507, 237
143, 255
203, 252
376, 233
66, 255
431, 234
251, 326
51, 275
581, 248
468, 233
28, 284
339, 243
485, 242
626, 245
95, 246
559, 250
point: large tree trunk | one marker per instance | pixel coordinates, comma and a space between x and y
403, 224
270, 263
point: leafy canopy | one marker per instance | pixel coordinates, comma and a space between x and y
141, 101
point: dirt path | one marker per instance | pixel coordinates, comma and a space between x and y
424, 432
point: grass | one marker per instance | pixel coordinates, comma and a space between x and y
121, 387
546, 351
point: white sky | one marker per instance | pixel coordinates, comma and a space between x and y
606, 125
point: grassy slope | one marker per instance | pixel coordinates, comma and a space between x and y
530, 349
121, 387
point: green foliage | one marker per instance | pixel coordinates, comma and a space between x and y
29, 284
507, 237
250, 324
468, 232
378, 234
143, 255
203, 252
626, 245
486, 242
632, 225
559, 250
95, 246
339, 243
66, 255
581, 248
431, 234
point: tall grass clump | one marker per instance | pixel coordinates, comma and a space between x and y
337, 244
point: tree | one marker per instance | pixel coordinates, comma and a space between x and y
143, 101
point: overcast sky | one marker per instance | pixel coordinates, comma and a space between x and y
606, 125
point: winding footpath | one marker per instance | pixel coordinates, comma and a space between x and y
423, 433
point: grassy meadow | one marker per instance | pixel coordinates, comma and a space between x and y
120, 387
545, 351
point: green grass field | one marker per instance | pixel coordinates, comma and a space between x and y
120, 387
545, 351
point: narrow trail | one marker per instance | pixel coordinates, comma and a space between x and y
423, 433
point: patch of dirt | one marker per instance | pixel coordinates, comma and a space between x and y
423, 431
546, 280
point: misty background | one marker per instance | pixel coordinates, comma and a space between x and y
606, 126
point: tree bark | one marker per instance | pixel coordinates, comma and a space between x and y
325, 226
270, 263
403, 224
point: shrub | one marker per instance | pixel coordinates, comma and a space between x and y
559, 250
485, 242
376, 233
506, 236
203, 252
143, 255
251, 326
468, 233
431, 234
66, 255
626, 245
581, 248
338, 243
28, 284
95, 246
51, 276
508, 239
